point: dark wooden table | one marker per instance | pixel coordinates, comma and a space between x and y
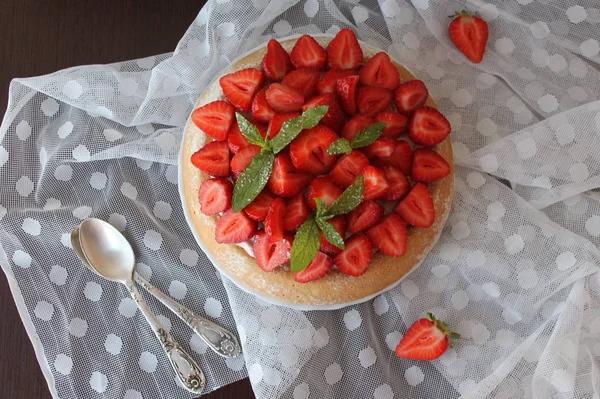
39, 37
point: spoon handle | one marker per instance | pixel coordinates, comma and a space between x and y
216, 337
186, 369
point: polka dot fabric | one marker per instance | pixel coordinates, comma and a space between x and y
515, 271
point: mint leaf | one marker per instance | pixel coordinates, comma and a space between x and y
331, 234
321, 207
368, 136
292, 128
350, 198
252, 180
249, 131
306, 245
340, 146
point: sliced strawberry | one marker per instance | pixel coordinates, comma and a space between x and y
427, 126
241, 86
344, 51
328, 82
278, 120
235, 139
357, 124
381, 148
348, 167
233, 228
410, 95
259, 207
373, 100
318, 268
339, 222
282, 98
400, 159
309, 150
380, 71
297, 211
428, 166
243, 159
270, 253
213, 158
395, 123
276, 63
389, 236
214, 195
324, 188
426, 339
399, 185
417, 207
275, 218
307, 53
346, 90
286, 180
364, 216
470, 34
334, 118
354, 260
214, 119
304, 80
261, 110
375, 184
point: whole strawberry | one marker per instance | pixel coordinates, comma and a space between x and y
470, 34
426, 339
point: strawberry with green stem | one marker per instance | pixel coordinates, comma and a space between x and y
426, 339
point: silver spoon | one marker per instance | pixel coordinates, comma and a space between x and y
106, 250
216, 337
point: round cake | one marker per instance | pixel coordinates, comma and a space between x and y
336, 289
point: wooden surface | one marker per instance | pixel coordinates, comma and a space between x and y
39, 37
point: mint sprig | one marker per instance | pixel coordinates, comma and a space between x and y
350, 198
249, 131
306, 245
363, 138
253, 179
292, 127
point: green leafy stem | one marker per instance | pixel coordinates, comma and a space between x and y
362, 139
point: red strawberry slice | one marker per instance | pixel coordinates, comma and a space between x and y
427, 126
259, 207
410, 95
297, 211
214, 119
318, 268
270, 253
278, 120
339, 222
286, 180
309, 150
417, 207
240, 87
328, 83
380, 71
470, 34
275, 218
261, 110
395, 123
307, 53
348, 167
324, 188
214, 195
235, 140
354, 260
276, 63
375, 184
373, 100
400, 159
213, 158
381, 148
426, 339
344, 52
304, 80
389, 236
282, 98
364, 216
346, 90
358, 123
243, 159
233, 228
428, 166
399, 185
334, 118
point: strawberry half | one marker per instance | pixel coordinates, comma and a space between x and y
400, 158
389, 236
410, 95
399, 185
428, 166
297, 211
395, 123
346, 90
380, 71
259, 207
318, 268
243, 159
307, 53
270, 253
373, 100
348, 167
426, 339
214, 119
328, 82
241, 86
364, 216
344, 51
324, 188
276, 63
308, 150
278, 120
261, 110
380, 148
233, 228
427, 126
417, 208
354, 260
214, 195
304, 80
375, 184
358, 123
235, 139
282, 98
339, 222
274, 220
213, 158
286, 180
469, 34
334, 118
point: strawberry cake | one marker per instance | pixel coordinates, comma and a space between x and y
316, 172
